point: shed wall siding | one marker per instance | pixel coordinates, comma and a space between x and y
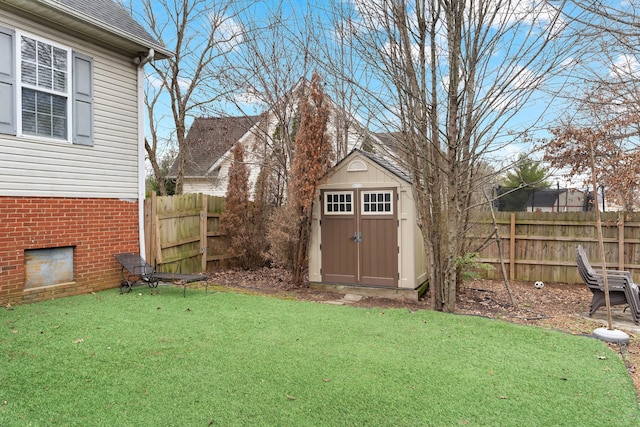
34, 167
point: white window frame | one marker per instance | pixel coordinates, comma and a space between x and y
325, 202
20, 85
376, 192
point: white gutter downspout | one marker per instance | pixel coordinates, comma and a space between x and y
141, 150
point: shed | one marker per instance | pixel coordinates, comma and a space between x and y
365, 239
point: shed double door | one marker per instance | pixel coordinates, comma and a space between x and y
359, 237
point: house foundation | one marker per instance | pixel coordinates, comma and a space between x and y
54, 247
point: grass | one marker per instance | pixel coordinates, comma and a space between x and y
153, 358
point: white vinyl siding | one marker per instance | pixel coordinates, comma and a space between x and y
204, 186
32, 166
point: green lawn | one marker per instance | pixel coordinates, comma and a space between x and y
154, 358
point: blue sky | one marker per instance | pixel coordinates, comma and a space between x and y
542, 103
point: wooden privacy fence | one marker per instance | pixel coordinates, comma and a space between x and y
182, 233
542, 245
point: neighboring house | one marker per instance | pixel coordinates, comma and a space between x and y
210, 140
71, 145
209, 143
365, 238
557, 200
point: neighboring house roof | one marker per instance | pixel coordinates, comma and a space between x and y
208, 139
390, 139
392, 146
103, 20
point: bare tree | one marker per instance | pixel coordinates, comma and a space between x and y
270, 71
450, 77
605, 112
202, 34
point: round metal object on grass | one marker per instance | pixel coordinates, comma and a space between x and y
611, 335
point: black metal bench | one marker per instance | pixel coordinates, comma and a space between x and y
141, 272
622, 289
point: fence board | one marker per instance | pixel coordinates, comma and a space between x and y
217, 242
182, 232
542, 245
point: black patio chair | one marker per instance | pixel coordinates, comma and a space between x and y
141, 272
622, 289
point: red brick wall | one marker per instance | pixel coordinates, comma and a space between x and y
96, 228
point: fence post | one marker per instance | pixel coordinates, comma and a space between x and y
620, 241
155, 227
512, 248
148, 230
203, 231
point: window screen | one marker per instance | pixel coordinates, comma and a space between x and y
44, 76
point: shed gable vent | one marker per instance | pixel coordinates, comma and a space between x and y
357, 166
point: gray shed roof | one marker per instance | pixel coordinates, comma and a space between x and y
103, 20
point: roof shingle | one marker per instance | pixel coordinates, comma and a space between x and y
112, 14
209, 138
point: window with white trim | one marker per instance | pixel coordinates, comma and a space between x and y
338, 202
45, 88
377, 202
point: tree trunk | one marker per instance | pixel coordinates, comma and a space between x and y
181, 159
300, 256
153, 159
443, 276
